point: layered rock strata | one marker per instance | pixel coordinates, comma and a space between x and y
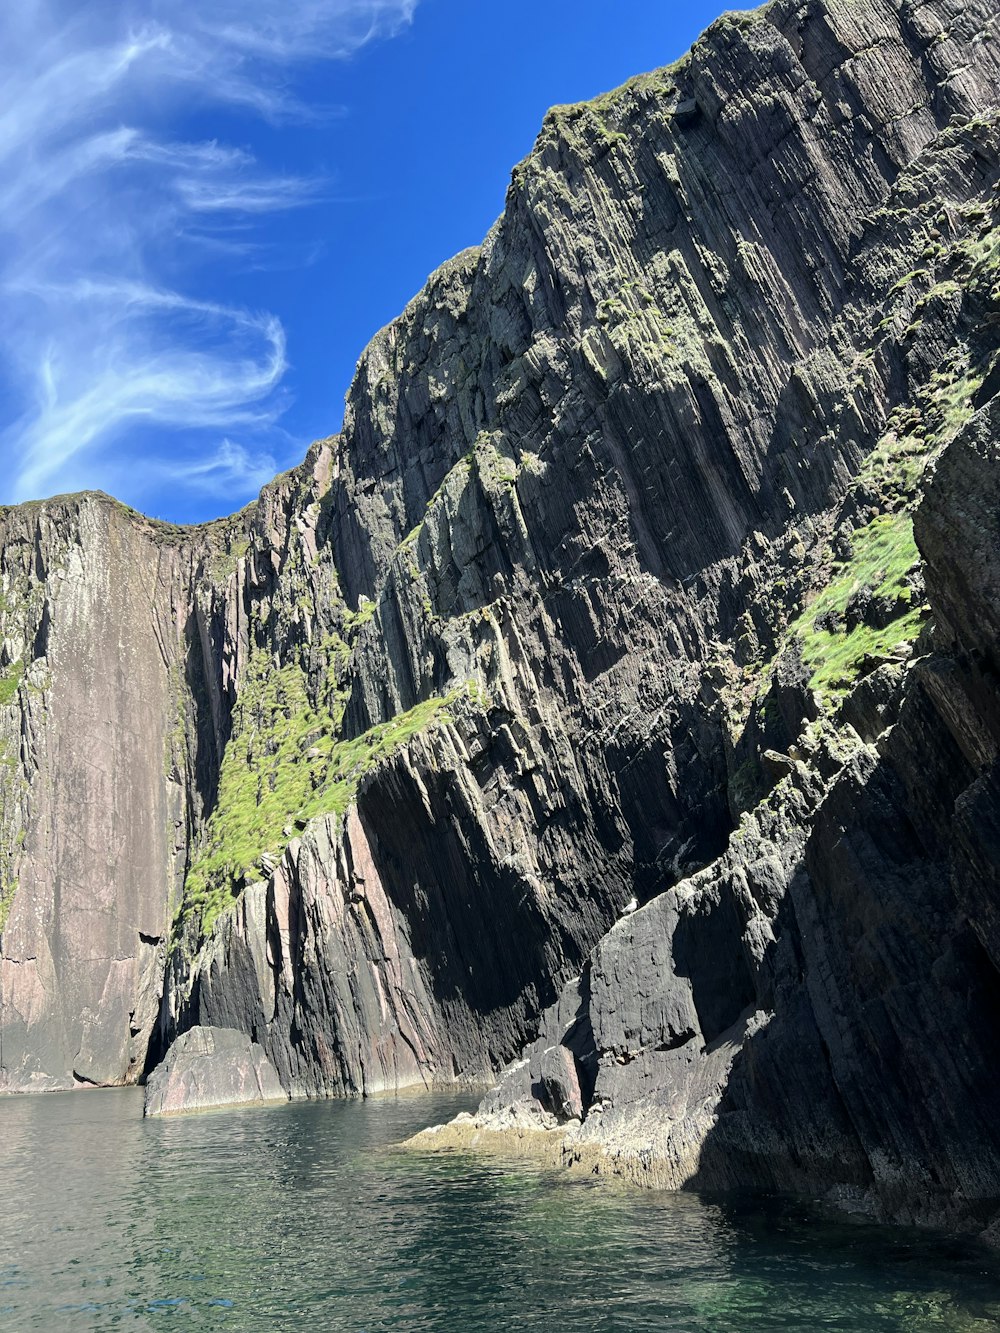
817, 1010
608, 580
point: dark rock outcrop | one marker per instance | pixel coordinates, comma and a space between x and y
819, 1010
606, 596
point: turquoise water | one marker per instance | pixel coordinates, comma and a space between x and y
303, 1217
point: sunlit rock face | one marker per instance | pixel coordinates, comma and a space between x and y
207, 1069
607, 596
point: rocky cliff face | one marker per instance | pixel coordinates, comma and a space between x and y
608, 590
817, 1011
100, 791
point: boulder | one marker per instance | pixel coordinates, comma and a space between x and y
559, 1083
211, 1067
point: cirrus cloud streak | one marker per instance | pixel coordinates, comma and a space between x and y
109, 217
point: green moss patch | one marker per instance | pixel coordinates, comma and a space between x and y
10, 683
7, 892
884, 556
283, 767
356, 620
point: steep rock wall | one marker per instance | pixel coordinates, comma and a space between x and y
818, 1010
622, 501
589, 476
94, 823
117, 679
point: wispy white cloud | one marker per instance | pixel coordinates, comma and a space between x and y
107, 216
230, 468
231, 465
269, 195
283, 34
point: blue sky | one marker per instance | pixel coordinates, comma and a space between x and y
206, 210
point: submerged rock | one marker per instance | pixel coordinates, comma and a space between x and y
207, 1068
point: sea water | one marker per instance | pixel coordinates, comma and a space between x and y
307, 1217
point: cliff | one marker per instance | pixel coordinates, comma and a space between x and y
816, 1011
609, 589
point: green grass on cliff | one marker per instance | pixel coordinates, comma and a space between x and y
884, 555
891, 477
282, 767
7, 892
10, 682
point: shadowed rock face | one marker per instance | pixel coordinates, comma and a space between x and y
607, 590
819, 1010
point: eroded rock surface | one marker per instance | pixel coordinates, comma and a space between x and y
817, 1010
210, 1068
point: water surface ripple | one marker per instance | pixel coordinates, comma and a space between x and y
304, 1217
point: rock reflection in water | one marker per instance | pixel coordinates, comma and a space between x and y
306, 1217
